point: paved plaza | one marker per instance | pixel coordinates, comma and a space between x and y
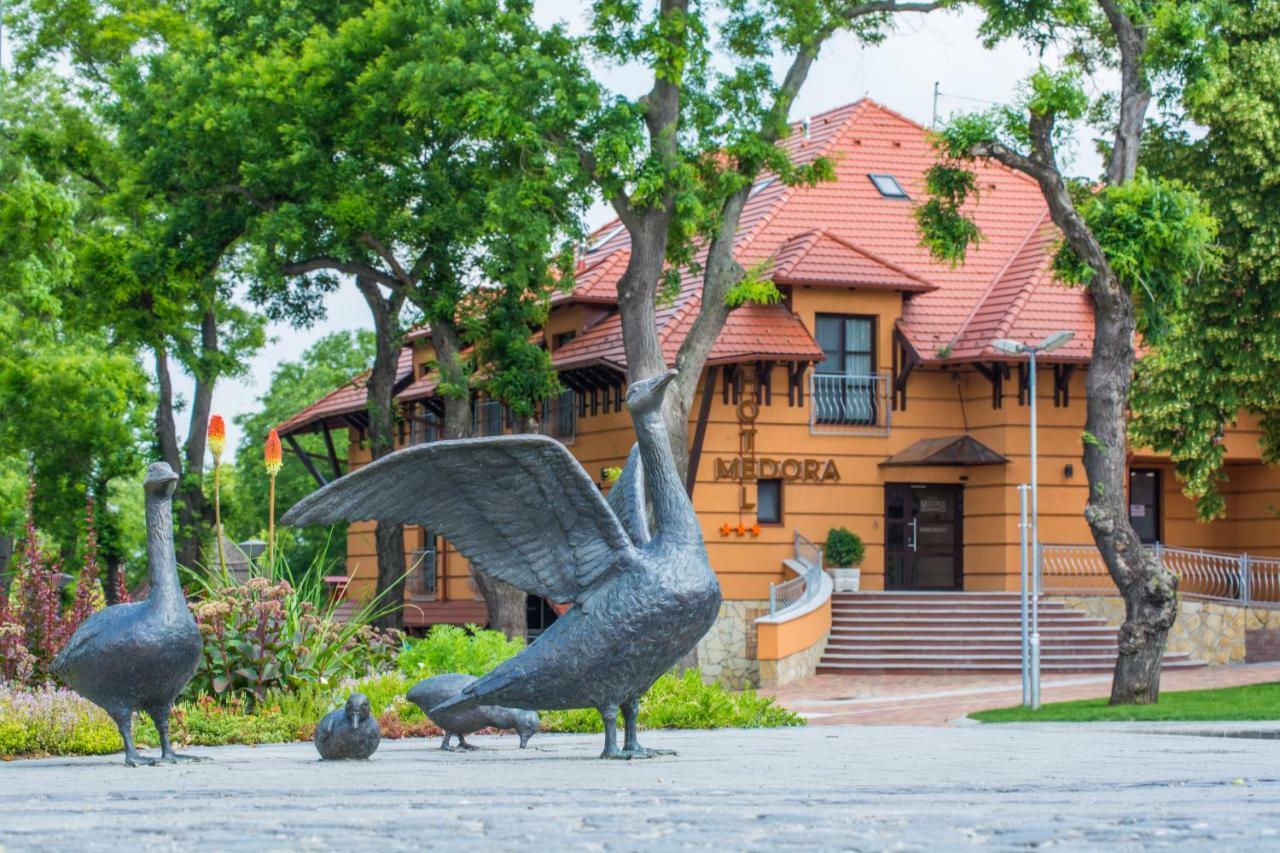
821, 787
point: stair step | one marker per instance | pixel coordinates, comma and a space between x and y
976, 669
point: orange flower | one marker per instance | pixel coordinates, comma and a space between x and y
725, 529
272, 455
217, 437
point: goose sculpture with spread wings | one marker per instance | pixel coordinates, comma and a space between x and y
522, 509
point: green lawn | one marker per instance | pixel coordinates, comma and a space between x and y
1254, 702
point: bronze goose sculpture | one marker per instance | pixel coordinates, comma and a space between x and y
138, 657
522, 509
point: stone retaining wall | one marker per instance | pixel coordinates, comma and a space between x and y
1211, 632
728, 652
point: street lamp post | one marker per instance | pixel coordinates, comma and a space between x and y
1050, 343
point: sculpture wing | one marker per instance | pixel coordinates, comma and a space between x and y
627, 500
520, 507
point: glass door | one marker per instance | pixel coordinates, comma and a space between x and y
924, 536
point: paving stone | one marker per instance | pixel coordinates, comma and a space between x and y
824, 788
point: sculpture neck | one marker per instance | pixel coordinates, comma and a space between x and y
672, 512
162, 562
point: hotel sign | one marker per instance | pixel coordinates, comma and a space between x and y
746, 467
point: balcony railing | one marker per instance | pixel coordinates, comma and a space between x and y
848, 404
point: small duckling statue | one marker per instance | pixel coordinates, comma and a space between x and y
350, 732
431, 692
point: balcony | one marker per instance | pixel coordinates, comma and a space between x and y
848, 404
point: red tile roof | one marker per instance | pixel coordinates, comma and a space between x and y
817, 258
348, 399
844, 233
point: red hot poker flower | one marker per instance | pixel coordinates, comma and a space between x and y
217, 437
272, 455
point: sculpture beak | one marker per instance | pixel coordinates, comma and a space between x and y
666, 378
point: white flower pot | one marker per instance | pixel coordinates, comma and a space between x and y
846, 580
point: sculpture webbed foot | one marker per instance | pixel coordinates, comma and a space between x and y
644, 752
136, 760
175, 757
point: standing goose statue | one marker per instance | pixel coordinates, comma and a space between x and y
523, 510
138, 657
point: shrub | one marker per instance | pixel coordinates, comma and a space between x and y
53, 721
448, 648
844, 548
266, 634
686, 702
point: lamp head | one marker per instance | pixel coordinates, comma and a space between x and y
1055, 340
1009, 347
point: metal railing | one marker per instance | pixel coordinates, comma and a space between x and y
560, 417
800, 588
848, 404
1242, 578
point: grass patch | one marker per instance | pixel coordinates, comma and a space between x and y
1252, 702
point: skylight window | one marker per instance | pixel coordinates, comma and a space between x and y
761, 185
888, 186
604, 238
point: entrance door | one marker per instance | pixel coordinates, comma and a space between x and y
924, 537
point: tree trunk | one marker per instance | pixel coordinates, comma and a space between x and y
388, 535
195, 514
6, 555
504, 603
1148, 589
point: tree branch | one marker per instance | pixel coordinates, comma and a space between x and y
327, 262
1135, 94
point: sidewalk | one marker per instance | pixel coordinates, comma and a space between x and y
936, 700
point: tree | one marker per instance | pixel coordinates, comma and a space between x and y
74, 408
1221, 355
331, 361
149, 254
677, 164
1134, 242
400, 143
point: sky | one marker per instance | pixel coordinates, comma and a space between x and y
941, 48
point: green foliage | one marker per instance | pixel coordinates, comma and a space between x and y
1219, 357
449, 648
1158, 238
753, 288
266, 634
327, 364
686, 702
844, 548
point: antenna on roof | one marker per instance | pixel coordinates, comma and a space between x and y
936, 94
805, 124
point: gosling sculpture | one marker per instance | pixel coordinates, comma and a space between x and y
438, 689
138, 657
522, 509
349, 733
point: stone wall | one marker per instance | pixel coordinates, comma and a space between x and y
1209, 631
802, 664
728, 652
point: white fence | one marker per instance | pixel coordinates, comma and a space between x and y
1080, 570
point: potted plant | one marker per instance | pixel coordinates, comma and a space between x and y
844, 552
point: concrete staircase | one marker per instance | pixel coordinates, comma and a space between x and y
965, 632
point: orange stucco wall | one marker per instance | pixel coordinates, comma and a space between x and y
777, 640
939, 403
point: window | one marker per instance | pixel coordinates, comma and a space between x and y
559, 416
488, 418
1144, 504
769, 501
604, 238
563, 338
761, 185
888, 186
844, 390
